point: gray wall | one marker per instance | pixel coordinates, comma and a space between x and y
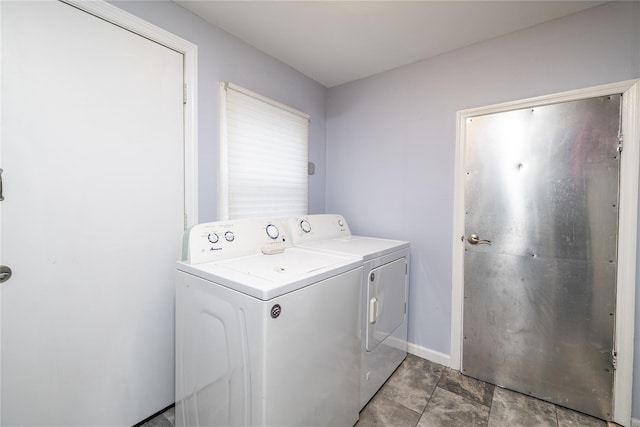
222, 57
391, 139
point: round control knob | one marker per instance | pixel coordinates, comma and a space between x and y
272, 231
229, 236
213, 238
340, 222
305, 226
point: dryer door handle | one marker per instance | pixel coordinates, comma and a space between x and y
373, 310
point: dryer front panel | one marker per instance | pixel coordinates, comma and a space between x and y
385, 301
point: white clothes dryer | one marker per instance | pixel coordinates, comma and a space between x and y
384, 292
266, 333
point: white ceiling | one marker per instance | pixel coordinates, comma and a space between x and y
334, 42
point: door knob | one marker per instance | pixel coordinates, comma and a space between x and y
474, 240
5, 273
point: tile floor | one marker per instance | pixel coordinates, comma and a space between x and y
424, 394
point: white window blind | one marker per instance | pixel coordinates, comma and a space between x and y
263, 157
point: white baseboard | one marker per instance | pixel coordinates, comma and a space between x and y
431, 355
635, 422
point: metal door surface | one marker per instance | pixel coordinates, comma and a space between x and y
541, 204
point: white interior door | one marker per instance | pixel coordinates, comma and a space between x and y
92, 152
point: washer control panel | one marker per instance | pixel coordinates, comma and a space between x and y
226, 239
272, 231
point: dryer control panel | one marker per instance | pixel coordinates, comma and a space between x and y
213, 241
317, 227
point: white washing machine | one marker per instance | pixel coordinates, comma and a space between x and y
384, 292
266, 333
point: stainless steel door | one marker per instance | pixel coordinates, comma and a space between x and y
540, 258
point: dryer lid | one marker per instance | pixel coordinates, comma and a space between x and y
363, 247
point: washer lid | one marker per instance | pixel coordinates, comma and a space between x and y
363, 247
268, 276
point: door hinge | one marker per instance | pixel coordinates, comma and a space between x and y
620, 140
185, 221
620, 134
184, 94
1, 196
405, 308
614, 359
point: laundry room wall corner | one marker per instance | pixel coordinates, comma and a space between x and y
223, 57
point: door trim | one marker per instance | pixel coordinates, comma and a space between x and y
126, 20
627, 230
